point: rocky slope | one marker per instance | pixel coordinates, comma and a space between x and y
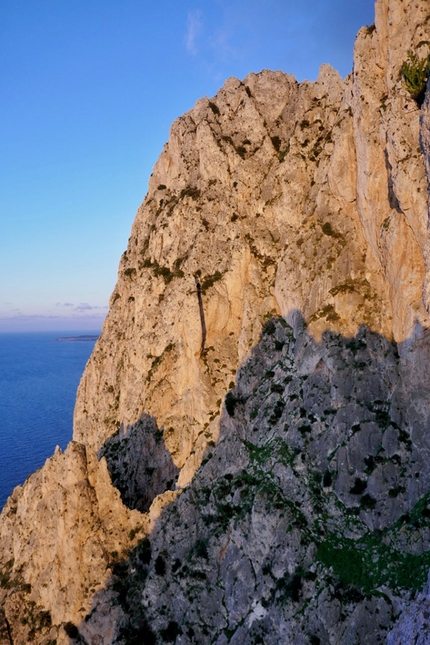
309, 520
232, 485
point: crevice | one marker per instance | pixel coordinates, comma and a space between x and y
9, 631
202, 314
392, 197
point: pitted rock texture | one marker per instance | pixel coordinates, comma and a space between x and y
59, 535
309, 520
306, 201
277, 196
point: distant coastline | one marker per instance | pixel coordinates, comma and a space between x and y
76, 339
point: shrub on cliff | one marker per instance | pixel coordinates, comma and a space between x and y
415, 73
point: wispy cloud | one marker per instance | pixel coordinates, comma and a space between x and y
194, 29
221, 44
40, 322
17, 315
64, 304
85, 306
20, 316
213, 43
84, 310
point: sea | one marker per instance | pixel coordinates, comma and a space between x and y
39, 376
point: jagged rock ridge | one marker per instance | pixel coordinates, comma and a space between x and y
269, 199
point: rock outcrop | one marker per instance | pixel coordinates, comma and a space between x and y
232, 485
309, 520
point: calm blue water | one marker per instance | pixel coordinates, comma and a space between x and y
38, 381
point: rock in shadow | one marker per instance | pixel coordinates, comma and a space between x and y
139, 463
310, 516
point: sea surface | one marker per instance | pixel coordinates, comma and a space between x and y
39, 377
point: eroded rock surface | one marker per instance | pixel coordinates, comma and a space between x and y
279, 197
310, 518
293, 508
60, 534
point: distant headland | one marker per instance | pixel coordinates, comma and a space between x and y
76, 339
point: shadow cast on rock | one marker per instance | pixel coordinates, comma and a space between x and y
311, 514
139, 463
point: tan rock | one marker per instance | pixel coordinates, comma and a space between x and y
278, 198
62, 531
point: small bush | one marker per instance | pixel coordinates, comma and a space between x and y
327, 229
415, 73
397, 490
327, 479
277, 411
71, 630
231, 401
269, 327
305, 428
277, 387
138, 635
283, 153
144, 550
210, 280
276, 143
190, 191
290, 586
171, 632
359, 486
200, 549
214, 108
367, 502
160, 565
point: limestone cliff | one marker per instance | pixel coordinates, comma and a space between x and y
228, 485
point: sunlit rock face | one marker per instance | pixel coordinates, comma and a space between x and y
279, 196
251, 429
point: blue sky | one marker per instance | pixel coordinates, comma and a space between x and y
89, 89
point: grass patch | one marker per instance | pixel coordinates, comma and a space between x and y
162, 271
210, 280
190, 191
369, 564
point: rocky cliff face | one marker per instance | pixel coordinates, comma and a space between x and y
232, 485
